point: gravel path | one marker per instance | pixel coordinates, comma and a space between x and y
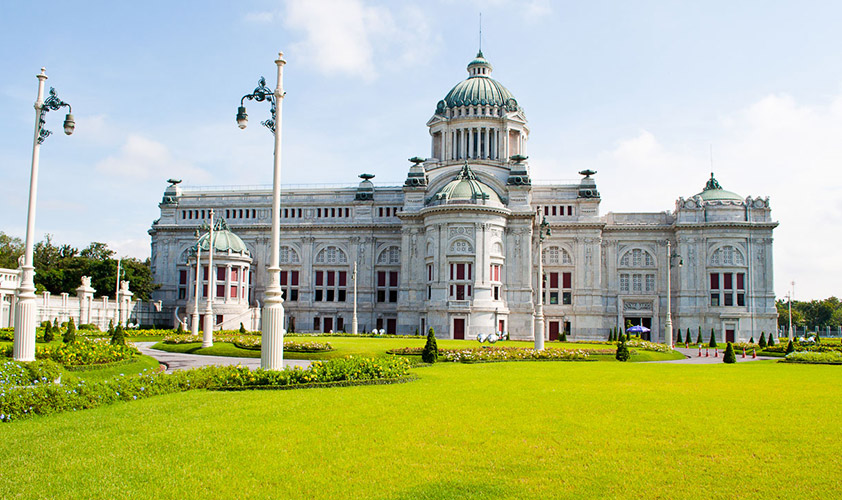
692, 357
181, 361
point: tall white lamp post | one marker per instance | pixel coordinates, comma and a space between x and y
543, 231
25, 308
354, 319
670, 258
194, 323
272, 343
207, 338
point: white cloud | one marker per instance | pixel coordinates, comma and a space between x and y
349, 37
142, 159
264, 17
775, 147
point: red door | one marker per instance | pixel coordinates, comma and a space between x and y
328, 325
391, 326
501, 326
459, 328
729, 335
553, 330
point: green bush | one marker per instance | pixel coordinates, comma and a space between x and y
679, 340
563, 337
688, 338
242, 328
15, 373
771, 339
712, 342
622, 353
790, 347
180, 328
119, 336
497, 353
699, 338
822, 358
70, 333
89, 327
729, 356
81, 352
431, 349
55, 324
48, 332
762, 341
751, 340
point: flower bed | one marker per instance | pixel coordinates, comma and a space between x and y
250, 342
648, 346
485, 354
43, 399
16, 373
82, 352
343, 334
819, 358
804, 347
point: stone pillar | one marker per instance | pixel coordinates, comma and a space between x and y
470, 143
125, 301
85, 293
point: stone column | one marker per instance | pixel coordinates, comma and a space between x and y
85, 293
470, 143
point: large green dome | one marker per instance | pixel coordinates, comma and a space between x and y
713, 192
479, 89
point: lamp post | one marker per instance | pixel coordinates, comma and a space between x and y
671, 256
354, 319
194, 323
543, 231
25, 307
207, 338
272, 343
790, 294
118, 312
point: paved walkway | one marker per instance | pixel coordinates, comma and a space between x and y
181, 361
692, 357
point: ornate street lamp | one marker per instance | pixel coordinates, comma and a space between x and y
543, 232
194, 323
272, 343
207, 337
671, 257
25, 308
354, 319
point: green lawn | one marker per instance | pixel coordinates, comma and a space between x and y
497, 430
366, 346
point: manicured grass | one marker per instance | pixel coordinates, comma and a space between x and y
137, 365
497, 430
364, 346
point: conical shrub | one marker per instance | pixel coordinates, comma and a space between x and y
699, 338
49, 336
678, 339
119, 337
70, 334
790, 347
762, 341
431, 349
712, 342
622, 352
729, 356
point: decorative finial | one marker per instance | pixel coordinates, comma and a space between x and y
417, 160
366, 177
587, 173
712, 183
174, 181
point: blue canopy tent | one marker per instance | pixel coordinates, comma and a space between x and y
638, 329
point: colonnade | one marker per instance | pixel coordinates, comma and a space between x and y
475, 143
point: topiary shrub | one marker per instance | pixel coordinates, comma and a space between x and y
729, 356
563, 337
70, 333
699, 338
622, 352
55, 324
689, 338
771, 340
242, 328
679, 340
119, 337
751, 340
712, 342
762, 341
49, 336
430, 354
180, 328
790, 347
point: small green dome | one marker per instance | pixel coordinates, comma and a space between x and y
479, 89
466, 188
223, 239
713, 191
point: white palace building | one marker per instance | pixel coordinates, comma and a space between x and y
456, 247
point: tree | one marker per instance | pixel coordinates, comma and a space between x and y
751, 340
242, 328
688, 335
790, 347
431, 349
70, 333
11, 248
712, 342
729, 356
48, 332
622, 352
762, 341
699, 338
679, 340
771, 339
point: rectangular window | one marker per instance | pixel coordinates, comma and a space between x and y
650, 282
554, 281
330, 285
567, 281
220, 273
714, 300
741, 299
182, 277
429, 272
624, 282
460, 271
727, 279
553, 297
567, 298
714, 281
637, 283
235, 274
317, 324
220, 291
729, 299
496, 292
233, 293
741, 281
289, 283
182, 293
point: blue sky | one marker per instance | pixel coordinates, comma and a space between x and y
639, 91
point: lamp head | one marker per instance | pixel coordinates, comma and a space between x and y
242, 117
69, 124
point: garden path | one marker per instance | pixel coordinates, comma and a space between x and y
181, 361
692, 357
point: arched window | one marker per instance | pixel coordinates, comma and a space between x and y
637, 258
727, 255
331, 255
390, 256
461, 246
288, 255
557, 256
497, 248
